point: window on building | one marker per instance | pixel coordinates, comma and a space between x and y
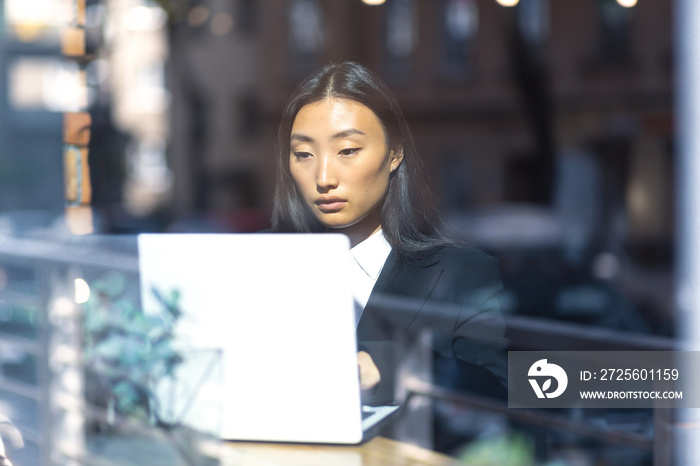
38, 20
46, 84
615, 29
533, 21
401, 39
306, 37
460, 24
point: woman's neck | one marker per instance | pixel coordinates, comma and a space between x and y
364, 228
359, 234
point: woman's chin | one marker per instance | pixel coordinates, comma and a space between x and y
335, 221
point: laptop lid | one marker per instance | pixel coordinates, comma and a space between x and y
280, 309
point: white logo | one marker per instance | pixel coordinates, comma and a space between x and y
543, 369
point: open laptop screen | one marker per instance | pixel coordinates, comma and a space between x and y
280, 309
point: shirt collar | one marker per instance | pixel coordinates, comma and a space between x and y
371, 254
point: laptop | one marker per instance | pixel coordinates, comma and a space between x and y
267, 334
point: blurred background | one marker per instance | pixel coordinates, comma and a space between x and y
547, 128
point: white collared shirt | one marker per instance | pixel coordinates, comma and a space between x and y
366, 263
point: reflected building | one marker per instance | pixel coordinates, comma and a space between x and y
215, 145
546, 127
496, 95
496, 98
132, 60
35, 83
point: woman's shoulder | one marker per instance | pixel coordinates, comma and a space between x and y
456, 257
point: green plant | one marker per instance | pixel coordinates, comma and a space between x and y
127, 352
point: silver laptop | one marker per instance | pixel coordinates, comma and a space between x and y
267, 333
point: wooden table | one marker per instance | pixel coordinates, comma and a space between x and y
379, 451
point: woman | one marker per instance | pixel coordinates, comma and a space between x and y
346, 163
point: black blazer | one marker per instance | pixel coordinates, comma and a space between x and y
453, 292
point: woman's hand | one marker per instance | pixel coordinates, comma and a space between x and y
369, 374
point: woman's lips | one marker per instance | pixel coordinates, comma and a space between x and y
330, 205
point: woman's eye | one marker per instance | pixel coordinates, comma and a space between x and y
301, 155
350, 151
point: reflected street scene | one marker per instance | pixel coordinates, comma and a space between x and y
323, 230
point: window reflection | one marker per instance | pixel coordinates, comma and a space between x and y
401, 35
38, 20
533, 20
306, 34
47, 84
615, 23
149, 178
461, 24
145, 18
19, 301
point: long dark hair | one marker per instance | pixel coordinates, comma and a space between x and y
409, 220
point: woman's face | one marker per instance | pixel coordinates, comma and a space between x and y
341, 165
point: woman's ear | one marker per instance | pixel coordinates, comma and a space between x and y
396, 156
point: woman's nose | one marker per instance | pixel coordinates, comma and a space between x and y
326, 177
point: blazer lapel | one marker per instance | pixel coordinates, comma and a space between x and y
398, 296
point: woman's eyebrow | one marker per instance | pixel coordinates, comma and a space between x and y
340, 134
301, 137
346, 133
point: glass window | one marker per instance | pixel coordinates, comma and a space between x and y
615, 25
533, 20
306, 35
460, 20
38, 20
401, 37
47, 84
